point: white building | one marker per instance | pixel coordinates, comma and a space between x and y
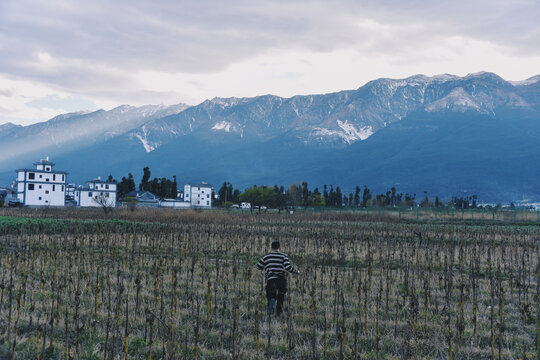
41, 186
198, 194
97, 194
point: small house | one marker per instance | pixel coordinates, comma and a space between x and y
97, 193
143, 198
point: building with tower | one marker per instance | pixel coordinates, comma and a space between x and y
41, 186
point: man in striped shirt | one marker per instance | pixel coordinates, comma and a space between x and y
274, 265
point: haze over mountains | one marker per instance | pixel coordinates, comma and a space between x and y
447, 135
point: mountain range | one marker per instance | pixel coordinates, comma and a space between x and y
447, 135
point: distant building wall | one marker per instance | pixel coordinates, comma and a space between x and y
97, 194
41, 186
198, 194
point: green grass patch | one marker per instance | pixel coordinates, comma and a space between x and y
25, 225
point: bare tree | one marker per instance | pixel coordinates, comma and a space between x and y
106, 203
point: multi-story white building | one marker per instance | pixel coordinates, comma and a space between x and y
41, 186
198, 194
98, 193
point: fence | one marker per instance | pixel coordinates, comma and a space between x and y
443, 214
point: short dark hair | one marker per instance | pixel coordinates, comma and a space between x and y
275, 245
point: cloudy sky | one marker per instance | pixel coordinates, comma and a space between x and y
60, 56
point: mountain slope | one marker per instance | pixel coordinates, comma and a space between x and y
67, 132
444, 134
336, 119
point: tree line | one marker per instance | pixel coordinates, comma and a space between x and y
295, 195
161, 187
301, 195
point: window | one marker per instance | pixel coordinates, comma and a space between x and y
107, 187
54, 177
46, 191
208, 196
106, 194
40, 186
30, 186
31, 176
53, 188
40, 176
47, 169
62, 187
39, 198
89, 194
62, 177
208, 203
47, 179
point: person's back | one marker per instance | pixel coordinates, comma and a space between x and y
275, 264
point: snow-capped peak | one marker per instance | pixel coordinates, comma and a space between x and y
529, 81
226, 102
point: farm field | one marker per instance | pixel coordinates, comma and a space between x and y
161, 284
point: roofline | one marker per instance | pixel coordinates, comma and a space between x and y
43, 171
96, 190
199, 184
101, 181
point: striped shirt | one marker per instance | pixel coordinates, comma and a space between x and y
275, 264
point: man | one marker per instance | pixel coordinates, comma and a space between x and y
274, 264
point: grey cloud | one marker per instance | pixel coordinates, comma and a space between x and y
7, 92
512, 24
138, 97
99, 43
5, 111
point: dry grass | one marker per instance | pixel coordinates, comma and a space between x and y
370, 287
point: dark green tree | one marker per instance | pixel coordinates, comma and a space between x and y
366, 196
338, 198
225, 194
425, 202
280, 201
258, 196
305, 195
356, 196
144, 185
174, 188
126, 185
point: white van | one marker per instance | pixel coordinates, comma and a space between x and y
245, 205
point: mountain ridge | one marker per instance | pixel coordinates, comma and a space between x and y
264, 131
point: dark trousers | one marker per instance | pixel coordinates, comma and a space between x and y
276, 288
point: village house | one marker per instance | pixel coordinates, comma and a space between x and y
198, 194
143, 198
41, 186
98, 193
44, 186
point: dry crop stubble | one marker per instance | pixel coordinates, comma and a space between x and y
155, 284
